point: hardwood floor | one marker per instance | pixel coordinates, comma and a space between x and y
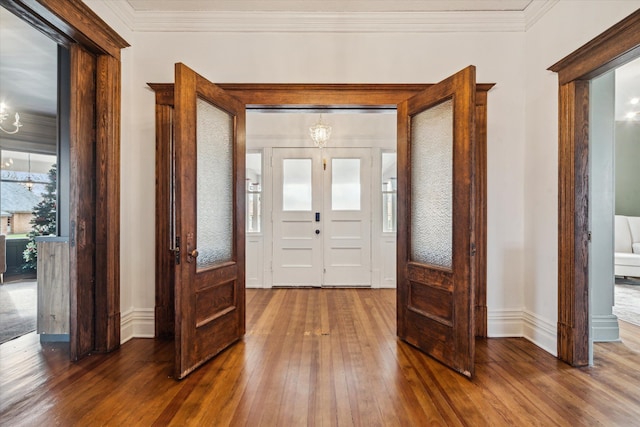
319, 357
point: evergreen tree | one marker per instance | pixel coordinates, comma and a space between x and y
44, 220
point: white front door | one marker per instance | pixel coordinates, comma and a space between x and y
321, 217
297, 197
347, 221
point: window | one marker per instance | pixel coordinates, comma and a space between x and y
345, 184
254, 192
389, 192
296, 185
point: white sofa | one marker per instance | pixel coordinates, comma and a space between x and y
627, 246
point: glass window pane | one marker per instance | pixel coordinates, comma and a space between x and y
345, 184
253, 191
431, 185
296, 185
214, 185
389, 192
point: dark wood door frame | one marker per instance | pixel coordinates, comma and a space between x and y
298, 95
95, 166
614, 47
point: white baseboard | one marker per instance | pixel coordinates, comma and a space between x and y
604, 328
523, 323
540, 331
504, 323
137, 323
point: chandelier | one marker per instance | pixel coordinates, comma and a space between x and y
320, 133
3, 116
29, 183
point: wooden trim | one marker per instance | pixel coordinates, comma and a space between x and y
480, 293
327, 95
573, 225
324, 95
165, 265
282, 95
82, 208
94, 166
67, 22
107, 256
616, 46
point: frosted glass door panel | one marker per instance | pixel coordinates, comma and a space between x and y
215, 185
296, 185
345, 184
432, 185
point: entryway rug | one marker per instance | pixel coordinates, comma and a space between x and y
627, 300
18, 306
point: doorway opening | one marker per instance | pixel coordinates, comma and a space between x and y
34, 151
93, 132
616, 46
177, 116
614, 268
321, 216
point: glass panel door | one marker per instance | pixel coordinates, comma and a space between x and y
214, 185
431, 185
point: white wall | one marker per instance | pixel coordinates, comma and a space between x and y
522, 159
345, 58
563, 29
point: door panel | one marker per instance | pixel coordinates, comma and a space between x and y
297, 249
209, 186
347, 221
436, 220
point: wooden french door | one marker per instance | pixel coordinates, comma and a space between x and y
436, 220
209, 144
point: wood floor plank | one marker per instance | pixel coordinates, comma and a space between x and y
319, 357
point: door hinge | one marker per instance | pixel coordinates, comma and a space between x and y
473, 249
589, 236
176, 250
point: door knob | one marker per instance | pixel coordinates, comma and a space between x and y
317, 231
192, 255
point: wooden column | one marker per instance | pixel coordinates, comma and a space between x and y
480, 178
573, 226
81, 201
107, 306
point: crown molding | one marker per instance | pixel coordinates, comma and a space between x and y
329, 22
536, 10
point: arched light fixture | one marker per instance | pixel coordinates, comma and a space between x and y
320, 133
3, 116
